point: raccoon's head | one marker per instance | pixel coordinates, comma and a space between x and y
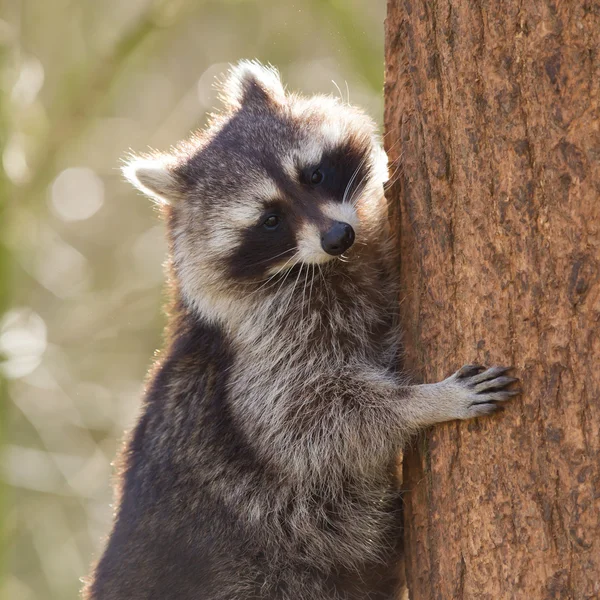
275, 182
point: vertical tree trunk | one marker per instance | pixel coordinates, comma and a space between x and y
493, 119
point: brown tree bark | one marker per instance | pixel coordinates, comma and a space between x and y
493, 120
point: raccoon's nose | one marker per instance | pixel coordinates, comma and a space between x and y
338, 239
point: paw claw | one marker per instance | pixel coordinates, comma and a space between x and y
491, 373
482, 389
494, 384
497, 396
469, 371
475, 390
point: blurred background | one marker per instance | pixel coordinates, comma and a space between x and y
81, 253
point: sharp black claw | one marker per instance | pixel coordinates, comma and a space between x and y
500, 396
469, 371
497, 383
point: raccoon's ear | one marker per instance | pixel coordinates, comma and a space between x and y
155, 177
251, 84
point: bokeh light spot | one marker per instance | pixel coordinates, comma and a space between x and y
22, 342
77, 194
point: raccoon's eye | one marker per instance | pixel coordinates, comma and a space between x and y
316, 177
271, 222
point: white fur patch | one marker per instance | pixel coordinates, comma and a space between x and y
152, 176
343, 212
244, 215
310, 153
332, 133
247, 210
263, 188
381, 172
309, 245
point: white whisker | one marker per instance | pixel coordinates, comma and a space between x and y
339, 91
304, 295
325, 284
293, 289
274, 275
284, 279
272, 257
360, 165
354, 198
312, 279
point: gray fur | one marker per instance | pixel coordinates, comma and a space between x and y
309, 370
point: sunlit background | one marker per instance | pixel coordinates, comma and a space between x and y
82, 82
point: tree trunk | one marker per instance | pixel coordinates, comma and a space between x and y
493, 121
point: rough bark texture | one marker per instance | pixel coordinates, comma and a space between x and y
492, 116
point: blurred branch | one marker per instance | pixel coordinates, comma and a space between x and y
84, 101
4, 298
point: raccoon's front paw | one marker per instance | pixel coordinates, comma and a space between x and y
482, 390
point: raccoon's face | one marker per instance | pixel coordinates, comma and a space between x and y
276, 182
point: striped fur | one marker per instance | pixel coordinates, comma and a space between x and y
263, 463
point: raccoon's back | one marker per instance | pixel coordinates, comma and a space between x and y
173, 536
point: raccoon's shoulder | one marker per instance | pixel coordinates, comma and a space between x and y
186, 389
196, 358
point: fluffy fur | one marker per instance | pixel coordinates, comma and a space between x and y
263, 463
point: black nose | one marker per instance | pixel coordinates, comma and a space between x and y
338, 239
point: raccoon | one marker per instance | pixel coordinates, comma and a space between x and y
263, 465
